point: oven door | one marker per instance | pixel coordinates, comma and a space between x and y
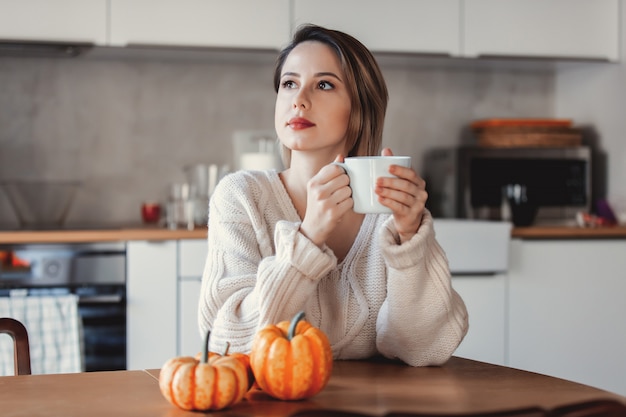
96, 273
102, 310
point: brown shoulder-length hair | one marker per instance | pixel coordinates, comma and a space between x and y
365, 82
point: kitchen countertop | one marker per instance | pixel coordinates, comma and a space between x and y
569, 232
155, 234
99, 235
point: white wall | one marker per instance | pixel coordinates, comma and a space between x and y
595, 95
127, 126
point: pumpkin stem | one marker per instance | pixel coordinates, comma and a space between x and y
205, 350
226, 350
294, 323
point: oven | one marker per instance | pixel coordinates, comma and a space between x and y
95, 273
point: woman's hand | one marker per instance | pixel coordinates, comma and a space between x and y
406, 196
329, 198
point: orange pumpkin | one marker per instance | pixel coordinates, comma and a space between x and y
207, 384
245, 360
241, 357
291, 360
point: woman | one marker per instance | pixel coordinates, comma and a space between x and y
376, 284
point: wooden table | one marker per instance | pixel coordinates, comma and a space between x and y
372, 388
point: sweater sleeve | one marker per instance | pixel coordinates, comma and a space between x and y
423, 319
248, 280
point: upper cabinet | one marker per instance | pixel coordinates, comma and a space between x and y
200, 23
587, 29
556, 29
565, 29
83, 21
408, 26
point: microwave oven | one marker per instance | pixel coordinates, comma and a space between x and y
469, 181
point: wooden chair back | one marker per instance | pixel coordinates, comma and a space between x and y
17, 331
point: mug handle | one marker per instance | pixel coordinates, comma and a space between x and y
342, 165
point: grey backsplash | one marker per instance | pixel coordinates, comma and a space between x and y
127, 127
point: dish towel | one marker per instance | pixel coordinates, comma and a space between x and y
54, 333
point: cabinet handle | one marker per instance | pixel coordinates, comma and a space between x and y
102, 299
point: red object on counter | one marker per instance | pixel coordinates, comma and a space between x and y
591, 220
151, 212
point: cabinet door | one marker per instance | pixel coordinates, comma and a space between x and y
192, 257
151, 303
417, 26
567, 310
542, 28
485, 298
189, 339
54, 21
200, 23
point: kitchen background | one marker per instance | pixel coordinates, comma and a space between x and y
126, 127
127, 120
125, 123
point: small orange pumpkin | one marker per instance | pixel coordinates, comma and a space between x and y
241, 357
291, 360
245, 360
208, 384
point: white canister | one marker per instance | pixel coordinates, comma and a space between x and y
254, 161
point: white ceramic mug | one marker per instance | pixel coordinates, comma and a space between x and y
363, 172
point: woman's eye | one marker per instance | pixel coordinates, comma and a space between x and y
288, 84
325, 85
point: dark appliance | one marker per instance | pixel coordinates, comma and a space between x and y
470, 182
96, 272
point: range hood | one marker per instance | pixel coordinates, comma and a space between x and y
43, 49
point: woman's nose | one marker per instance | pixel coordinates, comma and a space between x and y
301, 100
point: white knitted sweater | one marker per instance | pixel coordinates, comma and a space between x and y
383, 298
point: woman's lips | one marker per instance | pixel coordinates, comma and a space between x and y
299, 123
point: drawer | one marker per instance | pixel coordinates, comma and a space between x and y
191, 258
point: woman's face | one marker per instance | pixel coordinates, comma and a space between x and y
313, 103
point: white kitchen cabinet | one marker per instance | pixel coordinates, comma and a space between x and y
567, 310
485, 299
586, 29
189, 340
200, 23
412, 26
192, 255
151, 303
478, 255
163, 289
83, 21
